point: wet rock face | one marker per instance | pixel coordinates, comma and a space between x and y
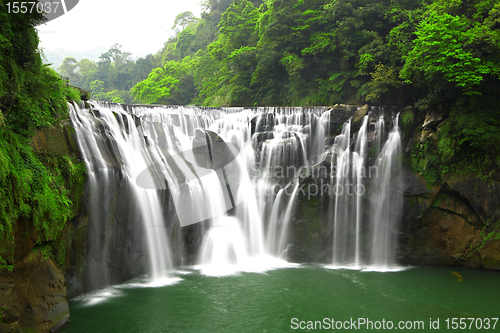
310, 233
33, 296
446, 232
107, 246
458, 225
55, 140
484, 197
432, 120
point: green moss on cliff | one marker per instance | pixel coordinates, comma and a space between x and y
426, 162
469, 141
407, 120
466, 143
30, 189
490, 234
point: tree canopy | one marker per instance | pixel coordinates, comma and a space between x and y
318, 52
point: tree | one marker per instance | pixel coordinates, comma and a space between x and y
182, 20
142, 68
453, 48
96, 89
113, 68
69, 69
86, 71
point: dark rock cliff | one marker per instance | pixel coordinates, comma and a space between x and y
33, 294
454, 223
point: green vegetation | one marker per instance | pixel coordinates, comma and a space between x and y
457, 43
32, 96
112, 77
487, 235
454, 65
407, 120
426, 161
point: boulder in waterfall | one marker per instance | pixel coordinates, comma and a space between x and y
336, 116
358, 116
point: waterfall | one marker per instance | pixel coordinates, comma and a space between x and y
365, 206
359, 157
112, 147
386, 206
340, 185
239, 171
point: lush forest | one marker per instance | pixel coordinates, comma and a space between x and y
32, 96
440, 56
317, 52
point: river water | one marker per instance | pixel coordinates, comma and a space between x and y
292, 298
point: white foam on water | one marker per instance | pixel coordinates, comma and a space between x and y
98, 296
371, 268
255, 264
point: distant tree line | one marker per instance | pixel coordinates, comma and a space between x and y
112, 77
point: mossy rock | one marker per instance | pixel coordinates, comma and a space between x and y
33, 295
56, 140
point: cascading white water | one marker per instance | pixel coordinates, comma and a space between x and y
131, 153
280, 145
340, 185
386, 208
249, 204
379, 134
364, 226
359, 157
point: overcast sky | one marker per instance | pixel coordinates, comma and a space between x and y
140, 26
